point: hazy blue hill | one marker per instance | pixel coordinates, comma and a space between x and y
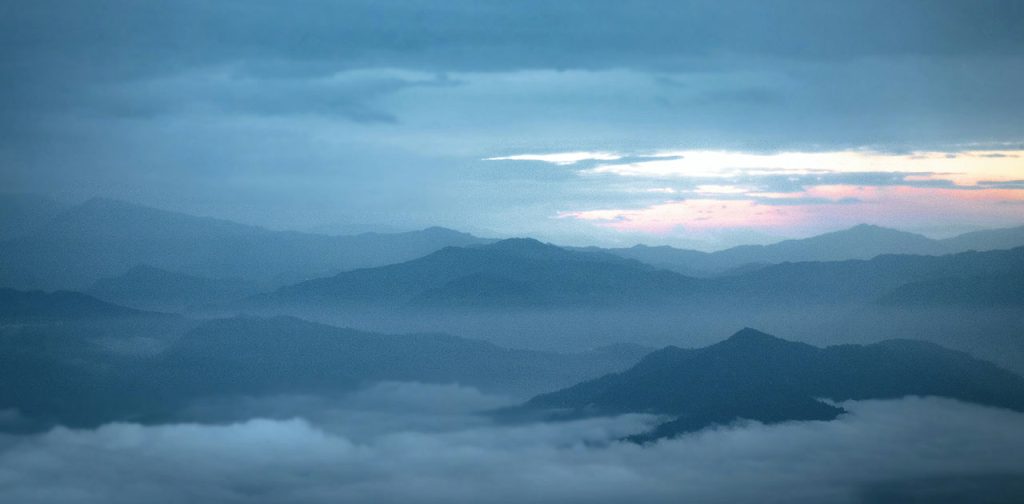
22, 214
859, 280
686, 262
529, 274
981, 291
36, 306
103, 238
756, 376
57, 350
516, 272
70, 380
859, 242
989, 239
149, 287
260, 355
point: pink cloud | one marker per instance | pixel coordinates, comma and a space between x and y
833, 206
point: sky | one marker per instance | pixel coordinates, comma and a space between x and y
697, 124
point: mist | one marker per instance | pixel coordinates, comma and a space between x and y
882, 451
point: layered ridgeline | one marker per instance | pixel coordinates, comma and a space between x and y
48, 245
158, 289
105, 238
859, 242
861, 280
509, 274
755, 376
22, 214
991, 291
524, 273
78, 382
23, 307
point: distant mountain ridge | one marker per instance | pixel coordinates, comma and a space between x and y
148, 287
508, 273
105, 238
21, 214
36, 306
261, 356
523, 273
999, 291
863, 241
756, 376
859, 280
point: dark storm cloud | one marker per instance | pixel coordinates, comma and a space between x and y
882, 449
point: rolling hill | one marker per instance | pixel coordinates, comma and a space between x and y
859, 242
148, 287
78, 384
38, 306
755, 376
105, 238
512, 273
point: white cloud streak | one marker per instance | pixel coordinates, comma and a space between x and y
561, 158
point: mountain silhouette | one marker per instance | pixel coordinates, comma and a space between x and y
862, 242
857, 280
37, 306
1005, 290
149, 287
67, 379
528, 274
22, 214
755, 376
105, 238
508, 273
988, 239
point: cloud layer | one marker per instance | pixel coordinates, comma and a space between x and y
882, 450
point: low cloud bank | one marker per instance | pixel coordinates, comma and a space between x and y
882, 451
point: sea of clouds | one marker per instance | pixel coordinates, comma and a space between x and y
410, 442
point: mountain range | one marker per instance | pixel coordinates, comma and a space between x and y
755, 376
861, 280
21, 214
1002, 290
524, 273
509, 274
37, 306
859, 242
105, 238
49, 245
56, 376
152, 288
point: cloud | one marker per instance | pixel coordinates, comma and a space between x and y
382, 408
1002, 184
704, 190
499, 35
561, 158
353, 95
812, 210
299, 115
965, 166
883, 448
